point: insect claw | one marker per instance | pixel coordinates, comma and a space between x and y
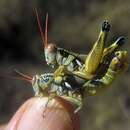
106, 26
44, 112
121, 40
78, 109
45, 109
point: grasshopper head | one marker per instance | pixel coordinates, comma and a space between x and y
34, 80
49, 49
50, 54
35, 83
40, 81
120, 62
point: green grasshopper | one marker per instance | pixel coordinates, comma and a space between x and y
90, 69
39, 82
84, 66
77, 78
118, 64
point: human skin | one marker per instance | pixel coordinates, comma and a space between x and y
32, 115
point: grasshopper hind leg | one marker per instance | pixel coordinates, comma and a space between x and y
95, 55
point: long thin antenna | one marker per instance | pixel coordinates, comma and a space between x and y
46, 30
23, 75
14, 77
44, 39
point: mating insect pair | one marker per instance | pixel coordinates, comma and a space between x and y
75, 89
79, 75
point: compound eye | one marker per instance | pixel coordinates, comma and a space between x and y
51, 48
34, 80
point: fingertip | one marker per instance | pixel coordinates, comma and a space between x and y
58, 115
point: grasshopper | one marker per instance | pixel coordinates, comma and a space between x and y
118, 65
84, 66
78, 75
39, 83
65, 89
88, 69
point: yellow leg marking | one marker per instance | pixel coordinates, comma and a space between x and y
83, 75
94, 57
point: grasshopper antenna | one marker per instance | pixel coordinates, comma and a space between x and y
44, 37
23, 75
46, 30
14, 77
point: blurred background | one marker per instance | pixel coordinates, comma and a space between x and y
71, 22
